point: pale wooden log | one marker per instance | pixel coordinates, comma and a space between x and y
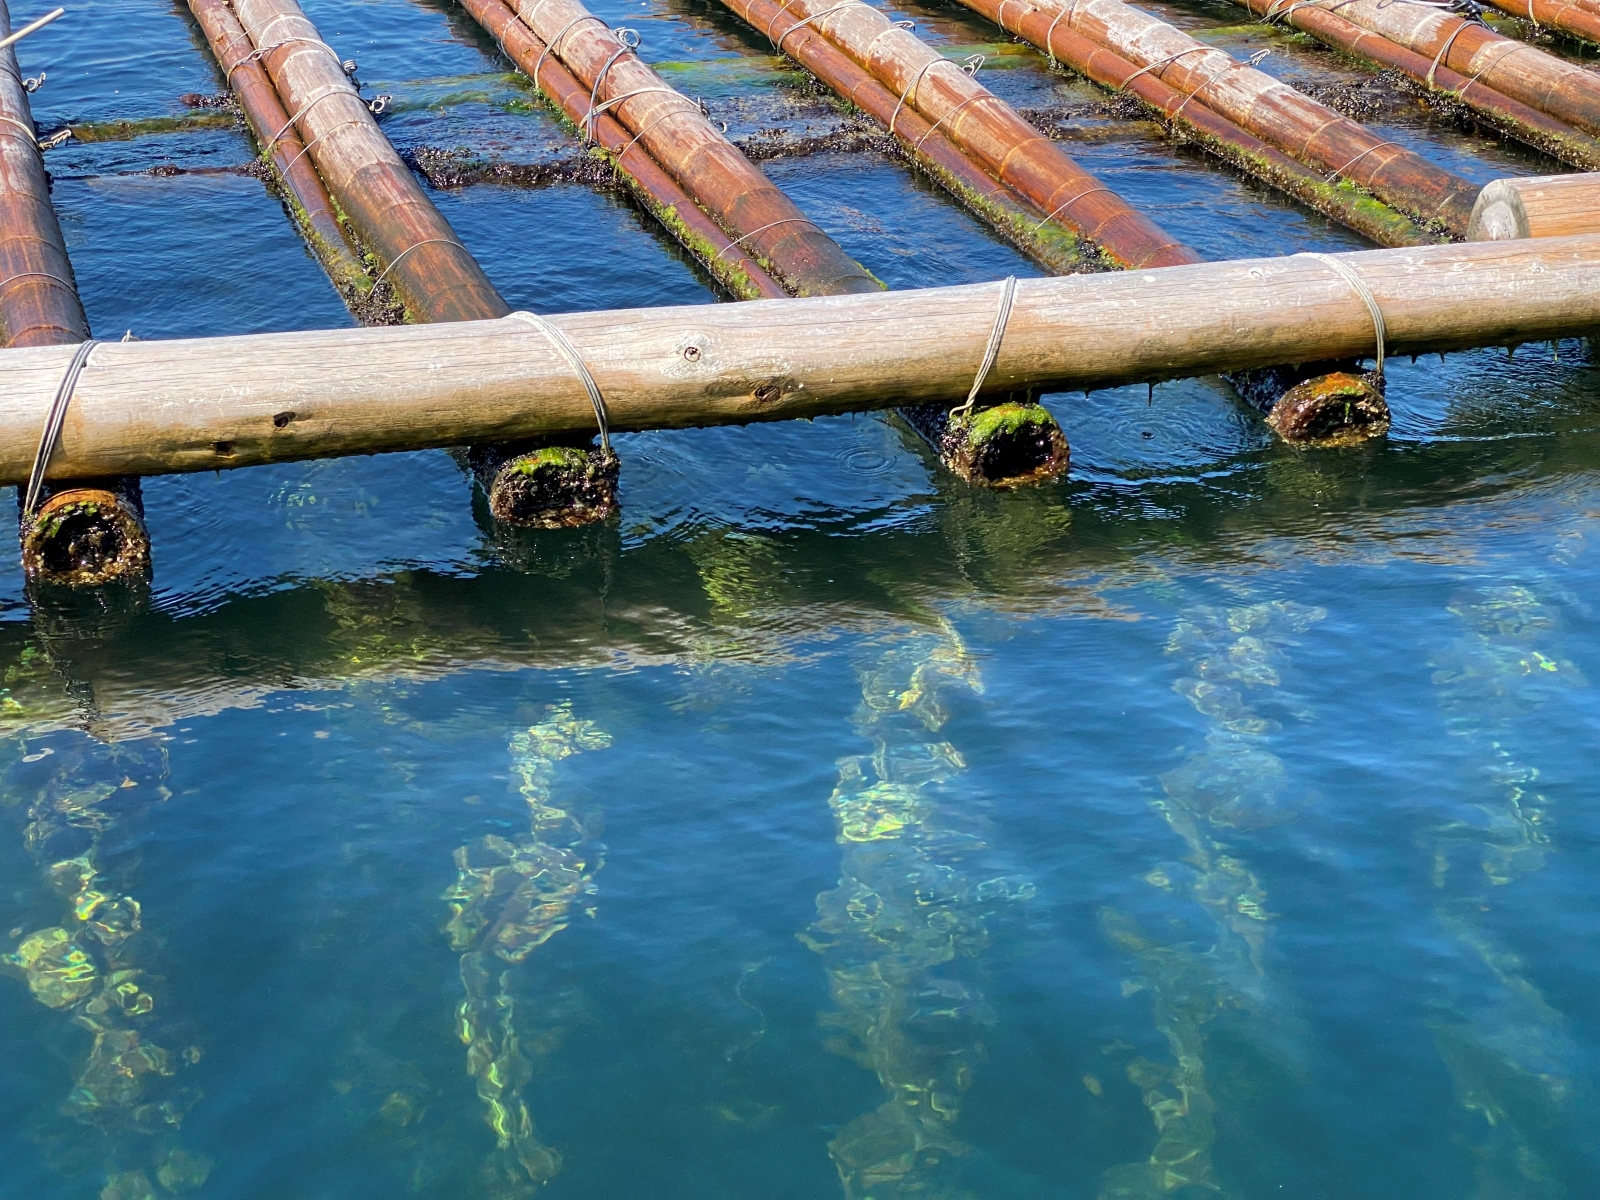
1273, 111
201, 404
1516, 69
987, 129
1544, 206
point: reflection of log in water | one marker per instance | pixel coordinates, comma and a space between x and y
92, 962
1234, 783
1506, 1048
511, 898
901, 933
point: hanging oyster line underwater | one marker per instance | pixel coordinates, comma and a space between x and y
510, 898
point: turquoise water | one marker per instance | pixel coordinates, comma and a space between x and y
1220, 822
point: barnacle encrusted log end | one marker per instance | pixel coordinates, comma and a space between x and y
86, 536
1006, 445
547, 487
1321, 403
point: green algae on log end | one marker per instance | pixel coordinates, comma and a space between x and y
1316, 403
88, 536
1007, 445
547, 487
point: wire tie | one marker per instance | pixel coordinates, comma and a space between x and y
575, 360
1367, 298
1008, 292
53, 421
415, 245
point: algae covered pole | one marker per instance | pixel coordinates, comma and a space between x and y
435, 276
92, 532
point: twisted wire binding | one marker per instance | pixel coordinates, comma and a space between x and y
53, 421
575, 360
1367, 298
1008, 292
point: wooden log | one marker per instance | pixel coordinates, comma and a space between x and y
987, 128
1564, 90
1203, 125
528, 483
280, 146
1576, 20
1275, 112
1052, 244
202, 404
1510, 117
732, 266
684, 141
1544, 206
92, 533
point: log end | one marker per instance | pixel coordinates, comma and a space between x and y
1006, 445
551, 487
1498, 215
87, 537
1333, 409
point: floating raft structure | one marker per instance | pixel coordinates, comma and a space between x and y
532, 400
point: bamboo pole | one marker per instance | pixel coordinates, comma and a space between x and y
676, 134
1563, 90
1274, 111
1546, 206
733, 266
279, 144
1051, 244
532, 484
1510, 117
1206, 127
986, 128
1575, 20
92, 533
203, 404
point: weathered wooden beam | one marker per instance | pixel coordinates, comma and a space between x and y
1573, 19
1273, 111
1543, 206
202, 404
1203, 125
93, 532
987, 129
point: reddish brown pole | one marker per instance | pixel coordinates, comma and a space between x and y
1511, 117
535, 484
675, 209
987, 128
679, 136
1050, 242
92, 532
1565, 90
1273, 111
1576, 20
1215, 133
280, 143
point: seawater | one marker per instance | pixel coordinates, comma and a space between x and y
1221, 822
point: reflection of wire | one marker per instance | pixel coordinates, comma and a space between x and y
739, 1049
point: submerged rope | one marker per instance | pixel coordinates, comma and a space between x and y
992, 350
575, 361
1367, 298
52, 423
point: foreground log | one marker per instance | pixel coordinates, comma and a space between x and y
1544, 206
1273, 111
528, 484
987, 129
201, 404
1510, 117
94, 532
1199, 123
